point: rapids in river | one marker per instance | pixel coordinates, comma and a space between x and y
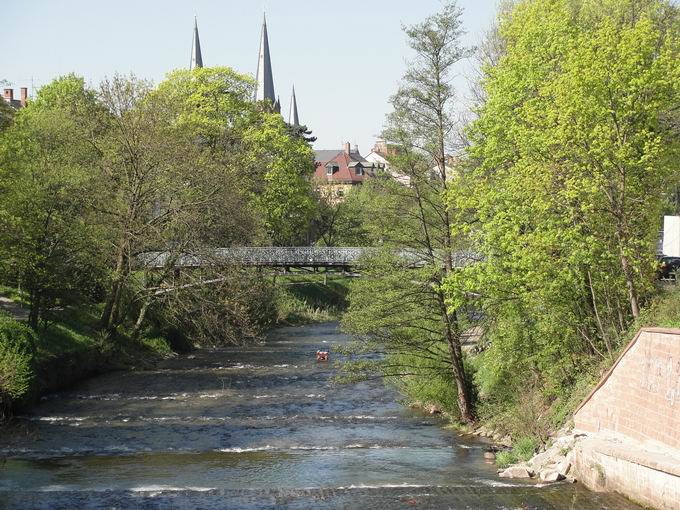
253, 427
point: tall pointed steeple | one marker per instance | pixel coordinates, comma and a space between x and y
265, 80
196, 57
293, 118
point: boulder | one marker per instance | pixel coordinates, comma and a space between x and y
547, 457
516, 472
550, 475
489, 455
481, 431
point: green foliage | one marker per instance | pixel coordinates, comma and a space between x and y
568, 170
284, 198
525, 448
47, 239
522, 450
17, 351
505, 459
341, 222
6, 115
662, 312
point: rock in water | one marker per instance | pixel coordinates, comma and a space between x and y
516, 472
551, 476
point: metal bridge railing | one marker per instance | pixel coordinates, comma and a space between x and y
273, 256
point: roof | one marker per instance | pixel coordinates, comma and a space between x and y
325, 155
347, 165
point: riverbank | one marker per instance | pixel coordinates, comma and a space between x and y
70, 347
534, 422
65, 350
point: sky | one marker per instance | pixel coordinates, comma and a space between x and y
344, 58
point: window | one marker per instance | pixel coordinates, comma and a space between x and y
329, 170
360, 170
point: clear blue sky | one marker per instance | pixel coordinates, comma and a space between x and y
345, 58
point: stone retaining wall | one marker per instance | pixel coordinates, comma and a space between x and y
640, 396
632, 420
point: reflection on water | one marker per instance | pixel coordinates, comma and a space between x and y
260, 427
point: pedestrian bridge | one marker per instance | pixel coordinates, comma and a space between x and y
307, 257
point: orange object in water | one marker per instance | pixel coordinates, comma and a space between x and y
321, 355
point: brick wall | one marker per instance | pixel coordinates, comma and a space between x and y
640, 396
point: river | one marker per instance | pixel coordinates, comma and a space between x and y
253, 427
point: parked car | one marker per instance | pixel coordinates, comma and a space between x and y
668, 267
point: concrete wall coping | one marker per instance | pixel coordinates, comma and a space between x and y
605, 377
637, 453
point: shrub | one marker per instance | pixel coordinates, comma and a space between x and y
525, 448
505, 458
17, 352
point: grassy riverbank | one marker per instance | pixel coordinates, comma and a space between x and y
307, 299
65, 349
70, 346
529, 419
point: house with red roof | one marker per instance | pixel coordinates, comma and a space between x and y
337, 171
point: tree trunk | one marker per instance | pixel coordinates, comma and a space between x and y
34, 313
112, 299
456, 354
140, 319
630, 285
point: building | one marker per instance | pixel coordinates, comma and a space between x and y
381, 154
8, 96
338, 171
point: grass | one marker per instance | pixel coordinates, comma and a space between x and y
71, 329
307, 299
13, 294
70, 343
522, 450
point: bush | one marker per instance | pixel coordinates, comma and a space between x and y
433, 383
17, 353
505, 458
525, 448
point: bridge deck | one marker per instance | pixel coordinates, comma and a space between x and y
307, 257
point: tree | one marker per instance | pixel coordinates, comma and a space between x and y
203, 168
569, 166
282, 192
49, 243
416, 217
341, 222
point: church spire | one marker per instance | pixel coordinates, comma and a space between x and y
196, 57
293, 118
265, 80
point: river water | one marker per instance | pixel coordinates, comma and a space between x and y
255, 427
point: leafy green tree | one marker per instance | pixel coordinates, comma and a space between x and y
282, 190
48, 241
341, 222
414, 317
569, 166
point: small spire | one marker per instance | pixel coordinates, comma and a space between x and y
265, 80
293, 118
277, 105
196, 57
